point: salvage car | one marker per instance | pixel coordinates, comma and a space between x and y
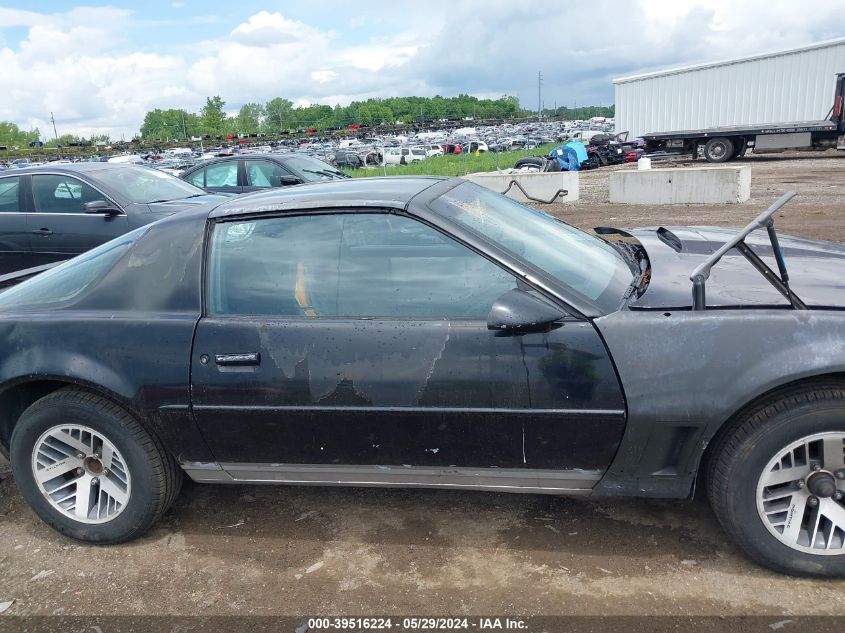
428, 332
54, 212
253, 172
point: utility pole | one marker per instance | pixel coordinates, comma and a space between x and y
540, 95
184, 129
55, 134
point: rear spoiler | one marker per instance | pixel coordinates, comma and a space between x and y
10, 279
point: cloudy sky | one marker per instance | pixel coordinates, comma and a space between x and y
100, 68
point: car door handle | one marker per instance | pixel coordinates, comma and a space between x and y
251, 358
42, 232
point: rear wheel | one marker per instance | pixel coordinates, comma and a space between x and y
776, 482
89, 470
719, 150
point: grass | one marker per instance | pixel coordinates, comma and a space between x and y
452, 164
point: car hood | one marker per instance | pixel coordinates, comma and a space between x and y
816, 270
174, 206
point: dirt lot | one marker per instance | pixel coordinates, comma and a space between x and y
309, 551
817, 212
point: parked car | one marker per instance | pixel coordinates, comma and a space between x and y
433, 149
472, 147
348, 158
54, 212
404, 155
253, 172
429, 332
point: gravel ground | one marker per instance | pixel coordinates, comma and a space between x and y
249, 550
817, 211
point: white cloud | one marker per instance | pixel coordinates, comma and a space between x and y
83, 65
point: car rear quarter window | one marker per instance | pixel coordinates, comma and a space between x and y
66, 283
348, 265
197, 178
9, 194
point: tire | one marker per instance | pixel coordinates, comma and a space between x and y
719, 150
761, 481
133, 478
531, 163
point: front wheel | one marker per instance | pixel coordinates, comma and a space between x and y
777, 482
89, 470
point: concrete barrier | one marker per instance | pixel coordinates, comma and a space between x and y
689, 185
542, 186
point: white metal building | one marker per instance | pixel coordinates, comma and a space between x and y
790, 85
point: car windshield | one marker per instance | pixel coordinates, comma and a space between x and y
588, 265
313, 170
145, 185
68, 281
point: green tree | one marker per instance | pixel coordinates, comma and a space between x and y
170, 124
249, 118
11, 135
213, 116
279, 114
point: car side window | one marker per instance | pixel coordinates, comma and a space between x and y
348, 265
9, 194
62, 194
197, 178
264, 173
223, 174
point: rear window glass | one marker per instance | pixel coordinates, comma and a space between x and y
67, 282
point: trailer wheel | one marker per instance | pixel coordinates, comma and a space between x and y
719, 150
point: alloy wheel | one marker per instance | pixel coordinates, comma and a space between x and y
801, 494
81, 473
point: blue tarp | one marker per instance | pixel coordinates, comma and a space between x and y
570, 156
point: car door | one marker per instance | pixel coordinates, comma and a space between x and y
260, 173
223, 177
59, 226
15, 253
343, 341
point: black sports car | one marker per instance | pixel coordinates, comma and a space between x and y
430, 332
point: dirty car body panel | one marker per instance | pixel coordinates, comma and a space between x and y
604, 400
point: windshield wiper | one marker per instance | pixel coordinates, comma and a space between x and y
325, 172
195, 195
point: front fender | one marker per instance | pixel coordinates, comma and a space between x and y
686, 373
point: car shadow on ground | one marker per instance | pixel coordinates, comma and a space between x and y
377, 516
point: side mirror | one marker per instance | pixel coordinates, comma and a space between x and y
518, 311
286, 180
101, 207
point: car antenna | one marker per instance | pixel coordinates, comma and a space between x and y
700, 275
